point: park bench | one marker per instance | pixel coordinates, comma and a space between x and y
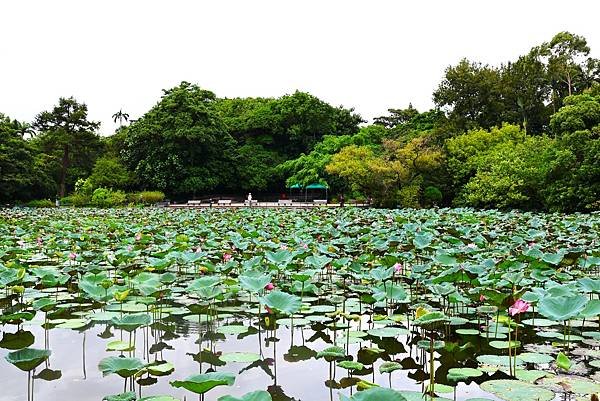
284, 202
223, 202
194, 202
320, 201
252, 202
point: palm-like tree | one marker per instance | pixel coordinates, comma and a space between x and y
120, 116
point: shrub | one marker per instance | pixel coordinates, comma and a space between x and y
40, 203
148, 197
109, 173
103, 197
76, 199
432, 196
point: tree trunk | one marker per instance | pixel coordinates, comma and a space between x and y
63, 171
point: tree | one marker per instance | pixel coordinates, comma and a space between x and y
22, 176
109, 172
397, 117
66, 133
580, 112
310, 168
181, 145
566, 54
526, 93
471, 93
120, 117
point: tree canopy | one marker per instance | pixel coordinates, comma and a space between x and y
523, 134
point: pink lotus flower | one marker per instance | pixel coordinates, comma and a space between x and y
284, 247
227, 257
39, 241
481, 298
138, 236
518, 307
269, 311
129, 248
269, 286
72, 256
397, 267
304, 246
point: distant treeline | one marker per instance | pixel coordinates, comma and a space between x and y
525, 134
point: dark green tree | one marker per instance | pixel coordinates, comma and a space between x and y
22, 173
181, 145
471, 94
69, 139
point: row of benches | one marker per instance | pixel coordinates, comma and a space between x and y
227, 202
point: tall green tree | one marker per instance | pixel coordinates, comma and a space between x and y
181, 145
22, 174
471, 94
68, 137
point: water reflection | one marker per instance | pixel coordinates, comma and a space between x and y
287, 368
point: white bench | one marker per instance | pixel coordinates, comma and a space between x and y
194, 202
284, 202
320, 201
250, 202
224, 202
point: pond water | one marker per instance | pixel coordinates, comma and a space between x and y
312, 305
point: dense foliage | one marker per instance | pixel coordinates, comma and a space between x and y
451, 302
524, 134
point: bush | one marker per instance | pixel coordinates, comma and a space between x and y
432, 196
109, 173
103, 197
77, 199
40, 203
146, 197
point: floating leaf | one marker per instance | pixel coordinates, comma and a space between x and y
202, 383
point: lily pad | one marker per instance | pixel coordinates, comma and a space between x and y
516, 390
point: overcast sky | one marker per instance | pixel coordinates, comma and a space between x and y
370, 54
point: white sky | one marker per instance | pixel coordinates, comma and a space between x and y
370, 54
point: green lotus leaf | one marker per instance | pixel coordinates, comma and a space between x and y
563, 362
531, 357
592, 309
531, 376
160, 368
283, 302
388, 332
132, 321
124, 367
458, 374
389, 367
118, 345
128, 396
202, 383
375, 394
232, 329
241, 357
562, 308
254, 282
332, 353
28, 358
431, 320
350, 365
260, 395
516, 390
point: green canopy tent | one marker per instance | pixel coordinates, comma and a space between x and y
315, 185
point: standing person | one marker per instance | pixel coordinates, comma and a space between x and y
341, 200
250, 199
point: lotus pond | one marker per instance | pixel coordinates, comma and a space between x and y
259, 305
